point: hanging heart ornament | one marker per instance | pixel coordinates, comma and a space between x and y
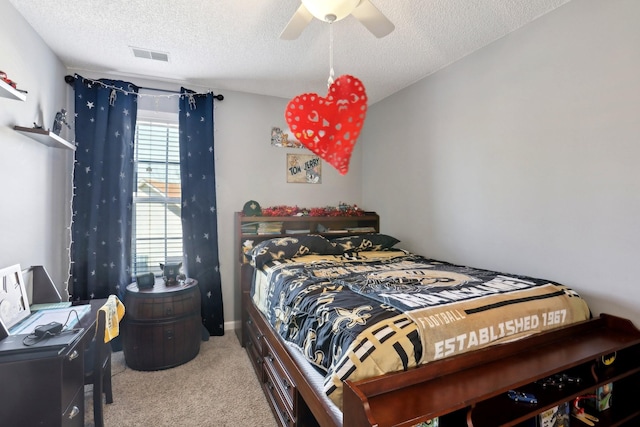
330, 126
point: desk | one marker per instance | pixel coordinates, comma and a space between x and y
40, 389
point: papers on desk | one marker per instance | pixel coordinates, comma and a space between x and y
69, 317
49, 305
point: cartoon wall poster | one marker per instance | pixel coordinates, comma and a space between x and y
304, 168
280, 138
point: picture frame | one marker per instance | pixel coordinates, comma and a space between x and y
304, 168
280, 138
14, 303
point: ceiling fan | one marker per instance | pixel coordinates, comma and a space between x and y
335, 10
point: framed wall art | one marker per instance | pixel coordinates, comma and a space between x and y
304, 168
280, 138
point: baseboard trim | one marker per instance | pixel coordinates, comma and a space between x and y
231, 326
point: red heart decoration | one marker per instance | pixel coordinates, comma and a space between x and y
330, 126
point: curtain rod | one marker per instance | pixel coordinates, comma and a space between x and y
69, 79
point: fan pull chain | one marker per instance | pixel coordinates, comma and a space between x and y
331, 73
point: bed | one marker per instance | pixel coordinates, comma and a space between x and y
322, 311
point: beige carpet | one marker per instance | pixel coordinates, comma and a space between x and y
218, 389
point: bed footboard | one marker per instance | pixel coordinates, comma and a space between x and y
474, 386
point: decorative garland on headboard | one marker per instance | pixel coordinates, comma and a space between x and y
341, 210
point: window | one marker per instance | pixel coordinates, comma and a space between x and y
157, 228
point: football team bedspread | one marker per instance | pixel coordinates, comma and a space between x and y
362, 314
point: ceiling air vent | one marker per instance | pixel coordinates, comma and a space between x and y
150, 54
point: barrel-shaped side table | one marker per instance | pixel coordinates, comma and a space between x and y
162, 325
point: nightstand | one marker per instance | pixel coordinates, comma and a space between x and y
162, 325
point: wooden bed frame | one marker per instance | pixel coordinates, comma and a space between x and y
469, 389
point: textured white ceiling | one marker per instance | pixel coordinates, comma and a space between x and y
235, 45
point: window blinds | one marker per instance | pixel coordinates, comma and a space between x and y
157, 228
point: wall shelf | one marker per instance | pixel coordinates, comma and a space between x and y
7, 91
45, 137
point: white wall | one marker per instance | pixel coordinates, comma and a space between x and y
523, 157
35, 211
35, 179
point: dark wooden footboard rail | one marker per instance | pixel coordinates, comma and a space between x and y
477, 383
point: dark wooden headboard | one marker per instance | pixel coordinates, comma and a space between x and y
328, 226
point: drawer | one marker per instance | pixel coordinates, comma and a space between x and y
282, 410
254, 347
150, 346
256, 359
162, 306
72, 372
254, 335
73, 415
281, 380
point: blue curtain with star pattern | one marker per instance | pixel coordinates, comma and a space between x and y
199, 213
105, 123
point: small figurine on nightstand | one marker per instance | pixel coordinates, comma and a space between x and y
60, 119
171, 273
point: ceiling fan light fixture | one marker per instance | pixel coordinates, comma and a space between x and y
334, 10
322, 9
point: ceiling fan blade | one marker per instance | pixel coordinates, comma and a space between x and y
373, 19
297, 24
